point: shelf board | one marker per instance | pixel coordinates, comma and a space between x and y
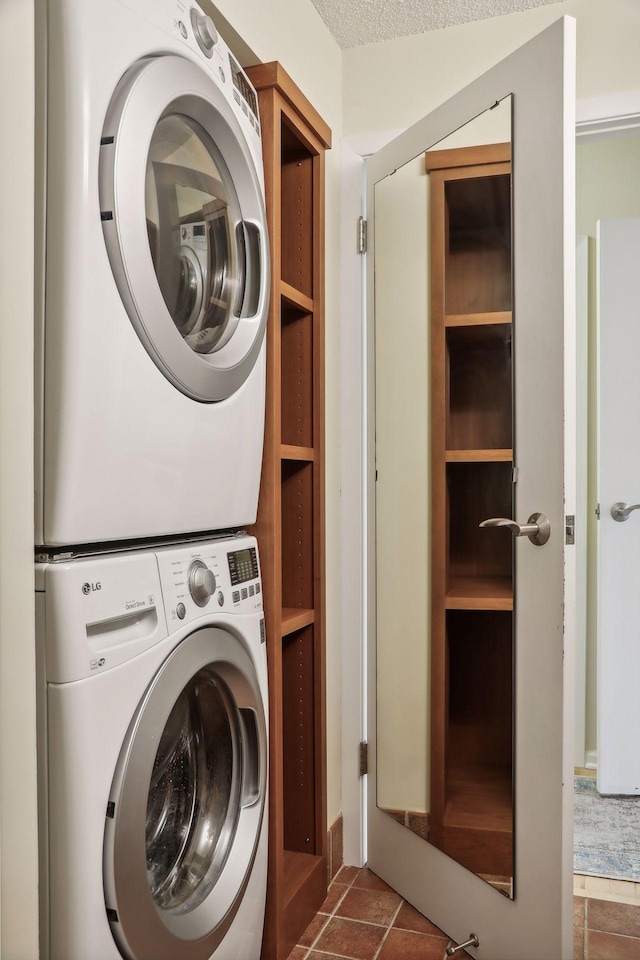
289, 451
298, 867
295, 298
477, 319
479, 456
295, 618
479, 593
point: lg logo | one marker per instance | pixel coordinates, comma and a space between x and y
87, 588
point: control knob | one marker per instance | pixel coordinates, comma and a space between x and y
202, 582
205, 31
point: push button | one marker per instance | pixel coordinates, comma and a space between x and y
244, 593
181, 611
252, 590
257, 588
235, 596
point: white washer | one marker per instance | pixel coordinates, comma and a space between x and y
156, 277
153, 679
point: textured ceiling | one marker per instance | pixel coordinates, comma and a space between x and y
354, 22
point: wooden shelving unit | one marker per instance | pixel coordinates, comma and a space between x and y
472, 474
290, 524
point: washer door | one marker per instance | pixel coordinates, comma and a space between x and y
184, 224
187, 803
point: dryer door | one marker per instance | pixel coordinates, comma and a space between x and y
187, 803
184, 223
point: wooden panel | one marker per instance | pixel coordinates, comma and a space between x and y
297, 535
297, 379
480, 386
273, 74
480, 692
477, 319
477, 492
479, 593
467, 157
294, 298
290, 525
294, 619
298, 741
305, 888
502, 455
296, 239
478, 255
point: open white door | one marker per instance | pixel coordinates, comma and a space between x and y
618, 489
527, 607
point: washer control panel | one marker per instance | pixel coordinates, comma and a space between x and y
203, 578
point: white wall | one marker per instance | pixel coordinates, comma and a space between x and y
292, 32
390, 85
18, 798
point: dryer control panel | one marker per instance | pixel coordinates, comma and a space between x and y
202, 578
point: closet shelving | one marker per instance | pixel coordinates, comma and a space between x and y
471, 480
290, 524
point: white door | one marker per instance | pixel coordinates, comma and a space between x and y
618, 251
534, 90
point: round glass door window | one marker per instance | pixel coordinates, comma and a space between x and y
194, 797
194, 226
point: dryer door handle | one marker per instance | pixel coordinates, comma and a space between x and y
251, 756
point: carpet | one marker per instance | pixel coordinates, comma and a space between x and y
607, 833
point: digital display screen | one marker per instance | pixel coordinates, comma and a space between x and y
243, 565
241, 84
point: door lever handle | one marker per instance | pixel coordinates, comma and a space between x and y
537, 527
621, 511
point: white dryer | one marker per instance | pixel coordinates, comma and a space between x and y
155, 277
154, 715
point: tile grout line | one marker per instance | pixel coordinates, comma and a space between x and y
330, 916
388, 930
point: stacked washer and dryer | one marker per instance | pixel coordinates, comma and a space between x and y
151, 391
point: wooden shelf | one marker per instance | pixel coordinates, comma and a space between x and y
479, 593
477, 319
298, 867
479, 456
295, 298
471, 815
291, 523
289, 451
294, 619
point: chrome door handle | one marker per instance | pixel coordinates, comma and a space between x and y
621, 511
537, 527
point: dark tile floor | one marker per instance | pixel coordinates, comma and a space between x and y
364, 919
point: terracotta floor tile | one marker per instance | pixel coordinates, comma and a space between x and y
405, 945
578, 943
370, 906
369, 880
607, 946
579, 904
334, 894
298, 953
348, 938
346, 874
312, 931
411, 919
608, 917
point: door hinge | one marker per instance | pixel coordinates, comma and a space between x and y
364, 758
570, 530
362, 235
597, 511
